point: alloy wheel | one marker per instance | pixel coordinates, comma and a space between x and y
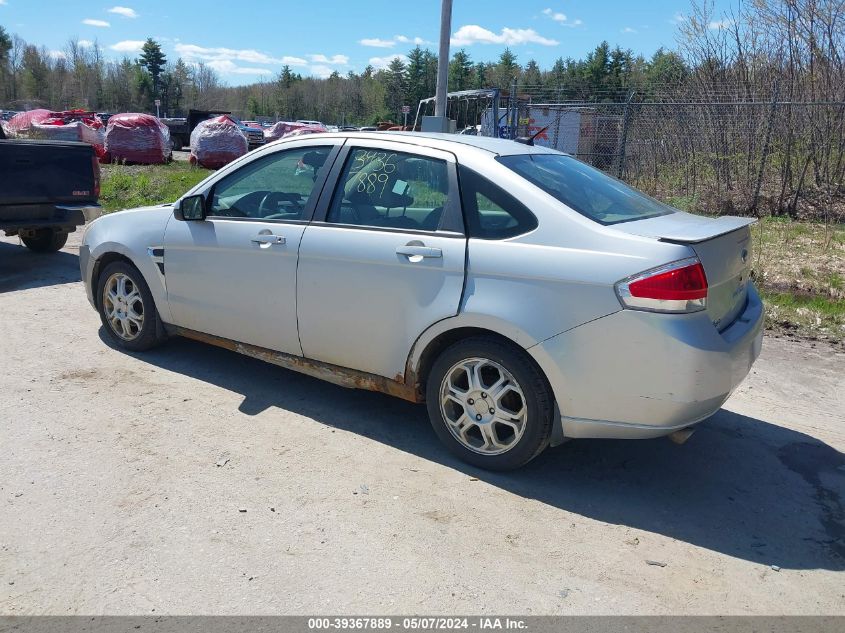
483, 406
123, 306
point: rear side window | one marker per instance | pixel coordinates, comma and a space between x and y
491, 212
381, 188
585, 189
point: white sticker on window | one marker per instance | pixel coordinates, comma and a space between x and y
400, 187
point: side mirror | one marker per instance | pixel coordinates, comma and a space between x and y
190, 209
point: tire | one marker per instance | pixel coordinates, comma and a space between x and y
45, 241
120, 317
176, 143
518, 434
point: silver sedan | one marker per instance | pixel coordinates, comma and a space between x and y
525, 297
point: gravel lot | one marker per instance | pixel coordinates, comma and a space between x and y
192, 480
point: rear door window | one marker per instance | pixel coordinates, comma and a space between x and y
385, 189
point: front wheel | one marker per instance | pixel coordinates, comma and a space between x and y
45, 241
126, 308
489, 403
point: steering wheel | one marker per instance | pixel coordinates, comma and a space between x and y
274, 198
228, 211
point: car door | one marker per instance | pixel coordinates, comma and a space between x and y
384, 257
233, 274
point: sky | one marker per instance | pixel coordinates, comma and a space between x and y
249, 40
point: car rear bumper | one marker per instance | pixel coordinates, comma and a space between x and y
636, 374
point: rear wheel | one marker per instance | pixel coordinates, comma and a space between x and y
489, 403
126, 308
45, 241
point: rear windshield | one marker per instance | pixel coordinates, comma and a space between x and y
585, 189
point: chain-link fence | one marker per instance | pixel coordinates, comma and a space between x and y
736, 153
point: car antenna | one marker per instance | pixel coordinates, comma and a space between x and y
529, 140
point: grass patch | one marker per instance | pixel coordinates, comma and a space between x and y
799, 268
813, 317
129, 186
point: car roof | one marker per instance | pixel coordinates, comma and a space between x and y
450, 142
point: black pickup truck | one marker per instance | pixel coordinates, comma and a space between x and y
47, 189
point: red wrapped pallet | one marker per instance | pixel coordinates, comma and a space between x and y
281, 129
71, 125
54, 130
308, 129
20, 125
137, 138
217, 142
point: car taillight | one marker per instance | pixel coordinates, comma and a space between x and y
677, 287
96, 164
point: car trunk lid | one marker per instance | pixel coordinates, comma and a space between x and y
723, 245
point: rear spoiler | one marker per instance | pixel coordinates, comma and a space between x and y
690, 229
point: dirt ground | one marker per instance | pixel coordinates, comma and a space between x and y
192, 480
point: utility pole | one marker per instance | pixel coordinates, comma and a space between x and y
443, 59
439, 122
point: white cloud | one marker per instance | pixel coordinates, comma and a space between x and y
719, 25
126, 12
628, 29
418, 41
561, 18
192, 52
336, 60
383, 62
557, 17
2, 2
288, 60
85, 43
321, 71
227, 67
473, 34
57, 54
128, 46
678, 18
100, 23
377, 43
402, 39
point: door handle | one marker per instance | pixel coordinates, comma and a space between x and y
269, 239
413, 250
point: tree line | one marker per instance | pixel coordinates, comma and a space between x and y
83, 77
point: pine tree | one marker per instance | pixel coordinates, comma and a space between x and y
153, 60
415, 75
597, 67
460, 71
531, 76
506, 69
395, 86
479, 76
